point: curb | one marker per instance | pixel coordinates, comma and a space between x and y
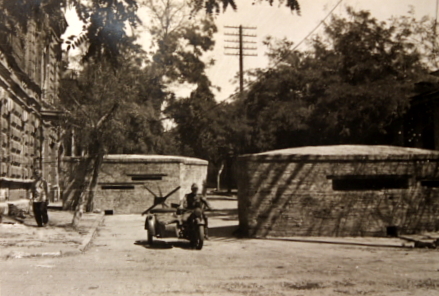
88, 238
86, 242
20, 255
399, 244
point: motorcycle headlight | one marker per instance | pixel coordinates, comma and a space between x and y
198, 213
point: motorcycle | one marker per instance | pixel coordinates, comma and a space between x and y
175, 222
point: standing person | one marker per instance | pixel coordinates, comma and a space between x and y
40, 198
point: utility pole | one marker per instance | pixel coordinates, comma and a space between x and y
237, 48
238, 44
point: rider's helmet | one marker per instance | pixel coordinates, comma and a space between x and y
194, 186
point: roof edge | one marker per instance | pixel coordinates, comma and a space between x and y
152, 158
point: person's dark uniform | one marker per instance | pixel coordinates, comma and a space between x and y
194, 200
40, 197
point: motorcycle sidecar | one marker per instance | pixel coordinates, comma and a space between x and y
160, 223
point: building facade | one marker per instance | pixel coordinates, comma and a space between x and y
346, 190
30, 61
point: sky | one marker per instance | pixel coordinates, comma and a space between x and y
277, 21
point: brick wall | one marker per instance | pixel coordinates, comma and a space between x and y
293, 195
20, 147
192, 173
122, 180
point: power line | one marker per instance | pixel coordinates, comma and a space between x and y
298, 44
321, 22
435, 20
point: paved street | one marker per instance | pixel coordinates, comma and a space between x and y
120, 262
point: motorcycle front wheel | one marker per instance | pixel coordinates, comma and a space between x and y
150, 229
198, 239
150, 238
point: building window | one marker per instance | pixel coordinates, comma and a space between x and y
430, 183
374, 182
117, 187
146, 177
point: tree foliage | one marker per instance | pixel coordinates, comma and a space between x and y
214, 6
206, 129
198, 124
179, 41
106, 21
107, 26
422, 33
352, 86
116, 99
17, 13
97, 89
125, 90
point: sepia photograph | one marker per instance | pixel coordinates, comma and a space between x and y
219, 147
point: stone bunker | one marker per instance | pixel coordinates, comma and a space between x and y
124, 181
345, 190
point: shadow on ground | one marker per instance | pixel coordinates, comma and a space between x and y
161, 244
222, 233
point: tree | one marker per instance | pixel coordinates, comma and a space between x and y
351, 87
376, 71
119, 97
179, 41
92, 101
105, 29
422, 33
106, 20
210, 130
214, 6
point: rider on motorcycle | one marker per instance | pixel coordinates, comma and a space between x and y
194, 200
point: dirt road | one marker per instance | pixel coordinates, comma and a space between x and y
121, 263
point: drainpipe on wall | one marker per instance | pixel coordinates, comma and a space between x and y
436, 125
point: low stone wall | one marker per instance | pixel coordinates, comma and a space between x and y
336, 194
